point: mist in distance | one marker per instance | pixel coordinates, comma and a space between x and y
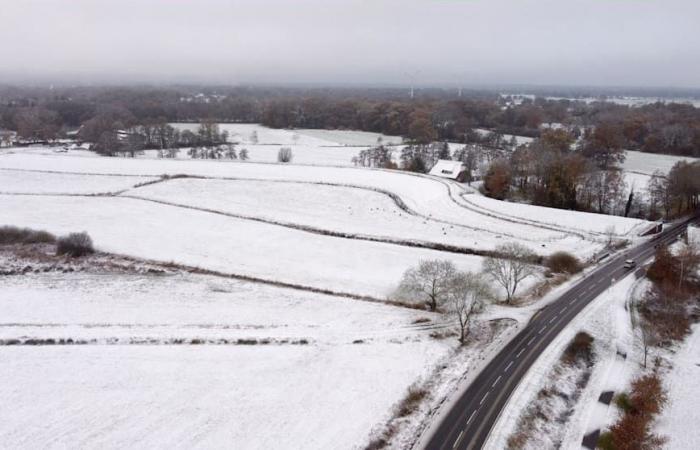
438, 42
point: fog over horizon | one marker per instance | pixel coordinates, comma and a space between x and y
644, 43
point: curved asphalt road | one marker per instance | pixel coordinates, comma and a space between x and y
468, 424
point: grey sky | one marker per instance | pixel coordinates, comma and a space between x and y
591, 42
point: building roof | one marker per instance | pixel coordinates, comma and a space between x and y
447, 168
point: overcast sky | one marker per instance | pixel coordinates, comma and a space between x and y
472, 42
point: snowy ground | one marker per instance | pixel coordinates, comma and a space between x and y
572, 220
200, 396
437, 200
51, 183
647, 163
226, 244
213, 394
242, 133
316, 147
679, 420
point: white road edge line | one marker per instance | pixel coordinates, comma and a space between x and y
458, 439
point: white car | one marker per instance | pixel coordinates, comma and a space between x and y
630, 264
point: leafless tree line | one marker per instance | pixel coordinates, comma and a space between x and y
463, 295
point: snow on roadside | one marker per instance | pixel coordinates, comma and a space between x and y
679, 420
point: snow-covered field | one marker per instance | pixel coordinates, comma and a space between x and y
200, 396
302, 154
226, 244
263, 221
680, 418
243, 132
63, 183
440, 201
571, 220
314, 147
638, 168
339, 208
648, 163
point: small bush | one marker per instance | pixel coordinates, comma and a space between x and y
75, 245
410, 403
285, 155
605, 441
579, 349
623, 402
15, 235
563, 262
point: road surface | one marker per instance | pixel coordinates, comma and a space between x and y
468, 423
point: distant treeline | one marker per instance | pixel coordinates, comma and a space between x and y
434, 115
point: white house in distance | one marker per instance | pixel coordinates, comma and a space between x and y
7, 138
446, 168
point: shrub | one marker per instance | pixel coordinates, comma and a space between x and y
410, 403
563, 262
622, 401
579, 349
75, 245
665, 266
605, 441
633, 430
15, 235
284, 155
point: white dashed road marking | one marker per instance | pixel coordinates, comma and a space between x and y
496, 382
484, 398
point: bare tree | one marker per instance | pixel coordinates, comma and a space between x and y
467, 294
610, 237
243, 154
432, 279
511, 267
649, 337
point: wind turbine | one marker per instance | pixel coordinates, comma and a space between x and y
412, 78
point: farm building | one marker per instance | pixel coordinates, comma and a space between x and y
446, 168
7, 138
